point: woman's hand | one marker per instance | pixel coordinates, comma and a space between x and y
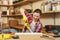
22, 11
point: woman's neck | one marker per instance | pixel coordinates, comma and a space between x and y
35, 20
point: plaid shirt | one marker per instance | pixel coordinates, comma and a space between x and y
38, 25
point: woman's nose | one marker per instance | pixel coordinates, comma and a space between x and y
35, 17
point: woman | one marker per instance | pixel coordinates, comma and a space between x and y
34, 21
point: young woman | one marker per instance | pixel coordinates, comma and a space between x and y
34, 21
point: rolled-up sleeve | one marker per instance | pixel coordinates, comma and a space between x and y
29, 17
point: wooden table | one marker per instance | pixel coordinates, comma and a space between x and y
31, 36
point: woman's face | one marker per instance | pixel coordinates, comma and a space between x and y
36, 16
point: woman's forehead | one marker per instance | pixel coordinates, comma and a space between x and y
36, 14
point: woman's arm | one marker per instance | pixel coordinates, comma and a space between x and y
29, 16
27, 19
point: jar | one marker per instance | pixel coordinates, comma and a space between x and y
0, 2
7, 12
11, 10
17, 11
54, 7
48, 6
42, 7
5, 2
10, 2
0, 13
58, 6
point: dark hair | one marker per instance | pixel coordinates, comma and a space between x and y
38, 11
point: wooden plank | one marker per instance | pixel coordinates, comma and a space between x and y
24, 2
6, 5
11, 15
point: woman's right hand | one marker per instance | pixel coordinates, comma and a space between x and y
22, 11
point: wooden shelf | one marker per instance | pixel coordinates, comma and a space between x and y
20, 16
24, 2
6, 5
57, 11
51, 12
18, 27
48, 12
20, 3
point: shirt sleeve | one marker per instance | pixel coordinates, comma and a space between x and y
29, 17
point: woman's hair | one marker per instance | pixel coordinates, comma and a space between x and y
38, 11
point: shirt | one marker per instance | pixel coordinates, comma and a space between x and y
32, 27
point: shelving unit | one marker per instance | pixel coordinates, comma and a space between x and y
12, 16
6, 5
48, 12
51, 12
21, 3
24, 2
53, 7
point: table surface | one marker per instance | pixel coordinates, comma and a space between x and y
31, 36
